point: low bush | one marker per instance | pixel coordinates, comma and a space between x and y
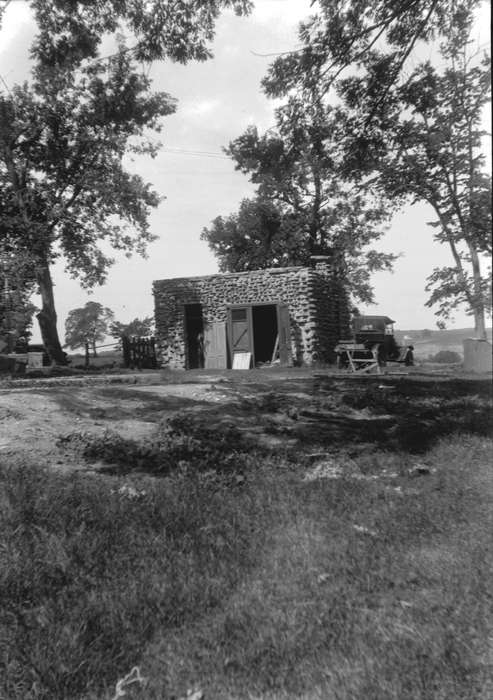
446, 357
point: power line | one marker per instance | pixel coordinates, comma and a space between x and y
205, 154
7, 3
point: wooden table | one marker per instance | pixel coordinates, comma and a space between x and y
358, 364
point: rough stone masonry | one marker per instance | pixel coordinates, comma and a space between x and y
315, 298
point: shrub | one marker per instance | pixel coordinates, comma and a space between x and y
446, 357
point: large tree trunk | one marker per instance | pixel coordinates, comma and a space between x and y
478, 309
47, 316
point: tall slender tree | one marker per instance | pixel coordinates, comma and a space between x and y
415, 134
437, 158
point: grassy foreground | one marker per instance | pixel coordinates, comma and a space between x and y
266, 584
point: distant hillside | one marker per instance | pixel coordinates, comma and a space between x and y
448, 337
428, 342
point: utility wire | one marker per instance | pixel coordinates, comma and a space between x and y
7, 3
2, 79
205, 154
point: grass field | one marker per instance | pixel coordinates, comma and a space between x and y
346, 568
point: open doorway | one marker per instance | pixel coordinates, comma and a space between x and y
265, 331
261, 330
194, 335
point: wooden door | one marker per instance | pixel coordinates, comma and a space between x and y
284, 330
215, 355
240, 330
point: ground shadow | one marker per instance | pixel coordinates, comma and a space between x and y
116, 404
293, 418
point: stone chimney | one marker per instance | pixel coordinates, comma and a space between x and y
321, 263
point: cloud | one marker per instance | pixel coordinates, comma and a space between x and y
200, 107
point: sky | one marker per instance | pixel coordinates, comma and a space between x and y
217, 100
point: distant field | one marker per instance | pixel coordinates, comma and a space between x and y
106, 359
429, 343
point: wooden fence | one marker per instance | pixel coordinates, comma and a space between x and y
139, 353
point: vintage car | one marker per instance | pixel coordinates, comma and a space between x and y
373, 345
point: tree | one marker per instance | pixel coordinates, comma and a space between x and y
257, 236
139, 327
428, 148
303, 207
16, 288
375, 39
87, 326
63, 137
437, 159
61, 147
415, 135
72, 31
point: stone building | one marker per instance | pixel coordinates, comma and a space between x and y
290, 315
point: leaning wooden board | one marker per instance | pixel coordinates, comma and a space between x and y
242, 360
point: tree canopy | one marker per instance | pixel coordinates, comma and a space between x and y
375, 38
64, 135
73, 30
139, 327
409, 130
16, 288
437, 158
87, 326
303, 206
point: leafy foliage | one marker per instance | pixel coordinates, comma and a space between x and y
72, 32
446, 357
16, 288
415, 132
303, 207
257, 236
87, 325
139, 327
435, 156
374, 38
64, 135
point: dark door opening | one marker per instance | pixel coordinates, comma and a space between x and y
265, 330
194, 334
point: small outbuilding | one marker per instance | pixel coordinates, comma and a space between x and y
287, 316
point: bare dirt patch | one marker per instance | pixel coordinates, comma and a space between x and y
288, 410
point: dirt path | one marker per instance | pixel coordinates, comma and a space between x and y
31, 421
33, 418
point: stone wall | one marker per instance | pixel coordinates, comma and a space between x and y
317, 308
